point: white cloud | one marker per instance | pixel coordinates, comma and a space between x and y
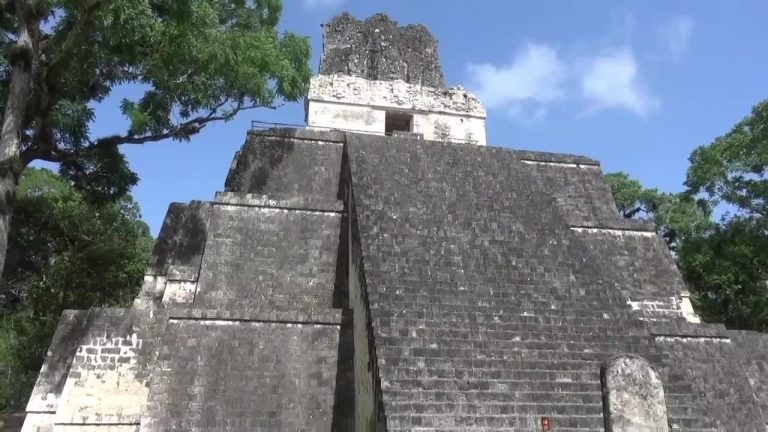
675, 35
312, 4
611, 80
533, 79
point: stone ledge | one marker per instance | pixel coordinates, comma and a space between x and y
330, 136
308, 203
684, 329
396, 94
555, 158
618, 226
315, 317
104, 421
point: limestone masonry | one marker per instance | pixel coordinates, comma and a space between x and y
383, 269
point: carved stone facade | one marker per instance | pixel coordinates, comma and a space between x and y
379, 78
359, 105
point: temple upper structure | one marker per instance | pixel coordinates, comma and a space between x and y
379, 78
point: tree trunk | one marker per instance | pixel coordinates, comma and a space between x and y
15, 109
7, 193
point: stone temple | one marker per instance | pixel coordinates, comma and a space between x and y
384, 269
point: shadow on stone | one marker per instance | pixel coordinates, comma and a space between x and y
72, 328
344, 394
182, 236
257, 160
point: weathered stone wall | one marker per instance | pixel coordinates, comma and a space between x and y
104, 384
367, 390
356, 104
245, 375
269, 258
265, 344
72, 327
175, 264
289, 165
378, 49
614, 251
725, 370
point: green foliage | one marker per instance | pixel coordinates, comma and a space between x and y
728, 268
725, 263
192, 62
23, 344
627, 192
65, 252
727, 271
734, 167
676, 216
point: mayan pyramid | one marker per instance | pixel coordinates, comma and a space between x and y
384, 269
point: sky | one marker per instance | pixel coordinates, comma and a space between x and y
635, 85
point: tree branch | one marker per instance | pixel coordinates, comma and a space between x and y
183, 130
629, 214
52, 153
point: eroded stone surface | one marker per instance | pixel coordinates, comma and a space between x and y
379, 49
634, 396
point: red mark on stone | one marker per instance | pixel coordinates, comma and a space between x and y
546, 424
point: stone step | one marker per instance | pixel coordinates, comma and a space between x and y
501, 301
494, 312
489, 422
500, 429
449, 354
501, 289
297, 303
489, 335
434, 347
584, 317
691, 424
512, 294
521, 351
395, 395
490, 408
590, 375
607, 327
687, 410
514, 341
475, 363
391, 282
487, 385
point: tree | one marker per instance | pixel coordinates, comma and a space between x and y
727, 272
65, 252
724, 263
734, 168
677, 216
728, 268
196, 61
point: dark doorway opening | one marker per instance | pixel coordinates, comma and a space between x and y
395, 121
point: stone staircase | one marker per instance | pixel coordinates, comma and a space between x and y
489, 310
502, 367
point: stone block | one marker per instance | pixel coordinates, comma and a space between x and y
633, 396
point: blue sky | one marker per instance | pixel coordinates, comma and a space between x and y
636, 85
